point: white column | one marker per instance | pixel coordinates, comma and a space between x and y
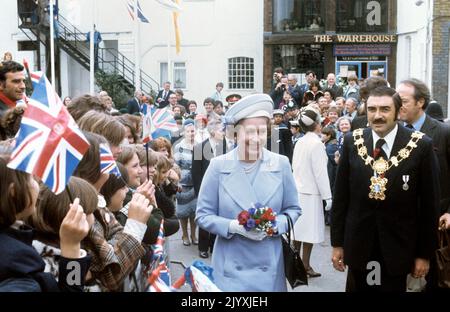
137, 57
169, 35
91, 50
52, 43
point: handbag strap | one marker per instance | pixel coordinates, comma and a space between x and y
290, 228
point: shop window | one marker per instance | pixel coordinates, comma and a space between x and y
361, 16
241, 73
299, 15
300, 58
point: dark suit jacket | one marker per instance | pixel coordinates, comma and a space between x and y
165, 101
405, 222
440, 134
201, 157
338, 91
280, 141
359, 122
133, 106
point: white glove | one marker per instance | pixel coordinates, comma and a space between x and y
329, 204
236, 228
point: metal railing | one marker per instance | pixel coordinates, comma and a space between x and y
109, 60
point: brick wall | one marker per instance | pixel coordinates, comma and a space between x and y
441, 49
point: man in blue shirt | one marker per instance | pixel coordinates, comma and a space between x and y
97, 40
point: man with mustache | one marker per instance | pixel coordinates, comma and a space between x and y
12, 85
386, 201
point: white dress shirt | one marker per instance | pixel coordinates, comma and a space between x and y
389, 138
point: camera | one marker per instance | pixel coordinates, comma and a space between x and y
276, 77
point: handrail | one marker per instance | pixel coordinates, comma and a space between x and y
119, 62
109, 59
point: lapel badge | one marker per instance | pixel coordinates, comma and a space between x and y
405, 184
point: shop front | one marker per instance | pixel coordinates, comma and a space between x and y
336, 36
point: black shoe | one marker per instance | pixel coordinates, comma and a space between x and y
204, 254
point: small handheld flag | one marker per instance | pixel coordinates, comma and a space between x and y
49, 143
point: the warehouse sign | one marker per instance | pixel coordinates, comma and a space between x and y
355, 38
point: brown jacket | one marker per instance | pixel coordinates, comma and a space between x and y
115, 254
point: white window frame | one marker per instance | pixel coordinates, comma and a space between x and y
237, 70
163, 77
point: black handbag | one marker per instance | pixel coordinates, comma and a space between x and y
294, 268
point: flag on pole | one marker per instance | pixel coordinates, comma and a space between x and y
107, 162
141, 15
177, 30
170, 5
49, 143
157, 123
159, 279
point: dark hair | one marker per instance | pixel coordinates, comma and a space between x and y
89, 166
310, 114
127, 122
51, 209
114, 183
10, 122
421, 91
331, 93
218, 103
9, 67
192, 102
315, 83
370, 84
386, 91
219, 84
15, 193
279, 70
179, 91
329, 131
310, 72
208, 100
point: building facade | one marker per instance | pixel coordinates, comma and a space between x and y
423, 43
221, 41
334, 36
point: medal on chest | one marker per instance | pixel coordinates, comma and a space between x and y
378, 182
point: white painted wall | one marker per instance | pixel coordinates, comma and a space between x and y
211, 32
414, 59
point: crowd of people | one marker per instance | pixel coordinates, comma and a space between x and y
294, 151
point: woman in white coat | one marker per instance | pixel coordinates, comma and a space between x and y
247, 260
313, 186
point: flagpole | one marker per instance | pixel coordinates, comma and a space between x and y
91, 52
137, 65
146, 161
169, 62
52, 43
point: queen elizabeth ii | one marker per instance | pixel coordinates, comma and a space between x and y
247, 260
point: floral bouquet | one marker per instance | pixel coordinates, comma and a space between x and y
259, 218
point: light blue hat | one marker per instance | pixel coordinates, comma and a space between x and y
256, 105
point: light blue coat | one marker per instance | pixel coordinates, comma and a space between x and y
241, 264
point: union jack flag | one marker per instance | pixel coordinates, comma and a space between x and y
159, 279
130, 7
36, 77
49, 143
107, 162
157, 123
